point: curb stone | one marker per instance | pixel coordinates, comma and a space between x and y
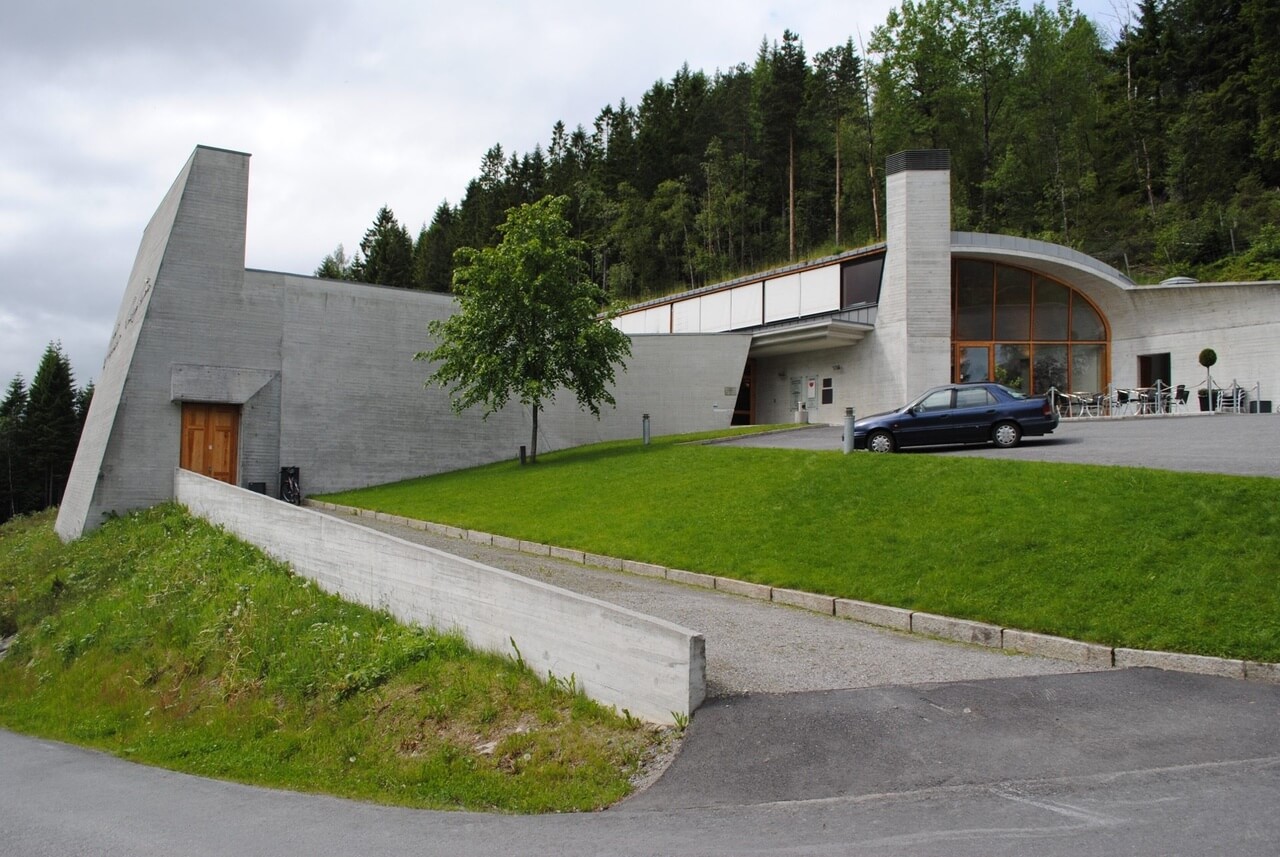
945, 627
692, 578
960, 630
733, 586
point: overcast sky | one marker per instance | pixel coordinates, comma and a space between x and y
344, 106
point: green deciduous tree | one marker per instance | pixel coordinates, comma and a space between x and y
528, 323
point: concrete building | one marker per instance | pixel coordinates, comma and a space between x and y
236, 372
872, 328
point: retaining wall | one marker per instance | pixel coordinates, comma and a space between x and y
652, 668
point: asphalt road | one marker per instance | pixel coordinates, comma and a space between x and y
1122, 762
881, 744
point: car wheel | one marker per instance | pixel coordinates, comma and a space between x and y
1006, 435
880, 441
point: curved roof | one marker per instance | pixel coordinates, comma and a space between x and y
1053, 259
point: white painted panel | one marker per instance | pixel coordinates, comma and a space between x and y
715, 312
658, 319
820, 290
782, 298
632, 322
746, 306
685, 316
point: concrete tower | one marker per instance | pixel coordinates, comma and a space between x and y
913, 322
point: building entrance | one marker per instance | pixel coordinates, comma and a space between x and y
210, 440
744, 409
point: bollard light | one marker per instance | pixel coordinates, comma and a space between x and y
645, 429
848, 430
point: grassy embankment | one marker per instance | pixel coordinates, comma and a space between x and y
163, 640
1122, 556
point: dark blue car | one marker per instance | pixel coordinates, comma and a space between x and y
958, 413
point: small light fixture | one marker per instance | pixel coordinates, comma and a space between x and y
836, 368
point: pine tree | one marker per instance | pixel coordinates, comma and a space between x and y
13, 476
781, 103
336, 266
51, 427
386, 253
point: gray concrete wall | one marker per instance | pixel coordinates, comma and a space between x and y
355, 411
1240, 322
652, 668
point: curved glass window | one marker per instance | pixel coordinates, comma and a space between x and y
1025, 330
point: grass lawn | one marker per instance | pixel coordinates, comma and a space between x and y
164, 640
1121, 556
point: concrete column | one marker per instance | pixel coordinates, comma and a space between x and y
912, 348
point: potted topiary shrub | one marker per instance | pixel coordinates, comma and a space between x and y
1208, 401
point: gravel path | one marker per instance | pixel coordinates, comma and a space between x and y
755, 646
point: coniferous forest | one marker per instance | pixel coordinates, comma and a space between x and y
40, 428
1155, 149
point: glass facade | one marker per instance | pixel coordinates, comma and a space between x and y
1025, 330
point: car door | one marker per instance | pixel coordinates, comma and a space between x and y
974, 414
929, 419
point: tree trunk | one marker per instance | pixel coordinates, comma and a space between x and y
533, 440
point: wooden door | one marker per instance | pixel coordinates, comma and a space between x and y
210, 440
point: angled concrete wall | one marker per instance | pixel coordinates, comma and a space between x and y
184, 294
652, 668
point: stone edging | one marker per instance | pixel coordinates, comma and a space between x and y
896, 618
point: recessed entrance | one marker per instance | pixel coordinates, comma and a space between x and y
744, 409
210, 440
1154, 369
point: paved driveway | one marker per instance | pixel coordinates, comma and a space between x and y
1240, 444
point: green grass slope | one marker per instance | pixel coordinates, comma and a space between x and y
1121, 556
164, 640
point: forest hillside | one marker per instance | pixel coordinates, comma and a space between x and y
1156, 150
